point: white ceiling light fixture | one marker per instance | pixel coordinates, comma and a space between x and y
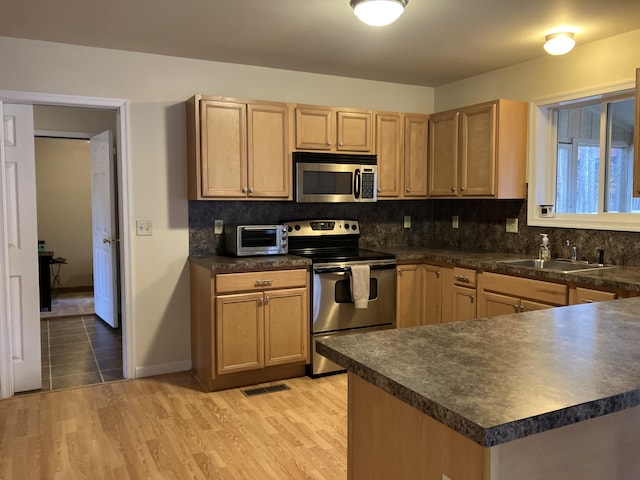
559, 43
378, 13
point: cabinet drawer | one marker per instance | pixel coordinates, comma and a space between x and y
252, 281
464, 277
546, 292
588, 295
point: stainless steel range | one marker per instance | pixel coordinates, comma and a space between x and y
332, 245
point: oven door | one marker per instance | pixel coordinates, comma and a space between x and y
332, 306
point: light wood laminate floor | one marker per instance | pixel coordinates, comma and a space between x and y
166, 427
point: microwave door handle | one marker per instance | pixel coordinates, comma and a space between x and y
356, 184
255, 228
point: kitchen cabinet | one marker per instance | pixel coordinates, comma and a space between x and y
479, 151
248, 327
238, 149
636, 140
579, 295
500, 294
333, 129
401, 147
419, 295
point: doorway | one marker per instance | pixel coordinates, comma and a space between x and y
77, 346
119, 110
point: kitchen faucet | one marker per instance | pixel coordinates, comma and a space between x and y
574, 252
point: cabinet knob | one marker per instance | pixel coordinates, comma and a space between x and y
340, 144
462, 189
407, 189
453, 189
251, 190
437, 274
245, 190
329, 143
379, 189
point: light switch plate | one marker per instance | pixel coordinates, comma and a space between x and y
218, 226
512, 225
407, 221
455, 222
144, 228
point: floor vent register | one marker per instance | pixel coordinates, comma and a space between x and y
251, 392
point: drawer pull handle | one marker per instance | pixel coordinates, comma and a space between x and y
263, 283
586, 300
462, 278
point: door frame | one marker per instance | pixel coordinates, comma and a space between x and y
123, 186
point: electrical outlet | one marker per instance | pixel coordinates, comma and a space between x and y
218, 226
454, 222
144, 228
512, 225
407, 221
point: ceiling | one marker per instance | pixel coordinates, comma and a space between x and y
433, 43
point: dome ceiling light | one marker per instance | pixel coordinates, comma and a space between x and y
378, 13
559, 43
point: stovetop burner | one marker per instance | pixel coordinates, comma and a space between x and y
330, 241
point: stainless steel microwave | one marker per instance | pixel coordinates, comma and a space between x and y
334, 177
248, 240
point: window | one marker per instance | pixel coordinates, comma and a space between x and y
583, 163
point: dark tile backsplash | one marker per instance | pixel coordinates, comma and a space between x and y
482, 226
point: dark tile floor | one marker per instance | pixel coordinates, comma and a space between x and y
79, 350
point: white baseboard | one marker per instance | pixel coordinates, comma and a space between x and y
163, 368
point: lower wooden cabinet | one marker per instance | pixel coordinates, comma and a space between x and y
464, 303
419, 295
248, 328
500, 294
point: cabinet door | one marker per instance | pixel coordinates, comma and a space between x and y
286, 324
409, 298
478, 150
464, 303
494, 304
389, 139
432, 303
268, 152
239, 333
354, 131
415, 156
223, 149
443, 154
315, 128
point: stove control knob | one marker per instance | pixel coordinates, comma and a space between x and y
346, 226
297, 227
289, 228
354, 227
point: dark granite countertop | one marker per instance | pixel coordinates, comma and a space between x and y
499, 379
613, 277
223, 264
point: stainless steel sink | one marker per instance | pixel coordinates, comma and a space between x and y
555, 265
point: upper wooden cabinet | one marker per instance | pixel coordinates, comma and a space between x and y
636, 140
479, 151
401, 147
238, 149
332, 129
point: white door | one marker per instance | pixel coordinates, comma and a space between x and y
105, 241
20, 276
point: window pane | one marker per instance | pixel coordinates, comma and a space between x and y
578, 159
619, 167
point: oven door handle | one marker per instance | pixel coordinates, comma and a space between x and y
348, 269
331, 269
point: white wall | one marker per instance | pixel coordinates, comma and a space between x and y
609, 61
157, 87
63, 181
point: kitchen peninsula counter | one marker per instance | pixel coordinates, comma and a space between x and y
546, 394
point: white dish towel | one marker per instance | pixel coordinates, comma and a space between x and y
360, 285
